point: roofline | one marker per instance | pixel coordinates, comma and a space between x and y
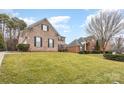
36, 23
63, 36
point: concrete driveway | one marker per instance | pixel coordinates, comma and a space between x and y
1, 57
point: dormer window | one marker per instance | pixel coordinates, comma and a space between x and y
61, 38
44, 27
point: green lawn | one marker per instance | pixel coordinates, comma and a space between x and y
56, 67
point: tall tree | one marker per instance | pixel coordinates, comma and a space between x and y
97, 47
105, 25
11, 26
118, 44
15, 25
19, 25
3, 20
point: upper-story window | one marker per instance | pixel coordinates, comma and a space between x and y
61, 38
44, 27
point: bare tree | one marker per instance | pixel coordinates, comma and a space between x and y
118, 44
105, 25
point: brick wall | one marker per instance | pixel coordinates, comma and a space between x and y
74, 49
45, 35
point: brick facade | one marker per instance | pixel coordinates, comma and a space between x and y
35, 30
89, 45
74, 49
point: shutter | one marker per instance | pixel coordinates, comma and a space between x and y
48, 42
41, 26
41, 42
35, 41
47, 27
53, 43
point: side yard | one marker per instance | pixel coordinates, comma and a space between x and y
58, 67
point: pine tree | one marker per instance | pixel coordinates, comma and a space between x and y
97, 47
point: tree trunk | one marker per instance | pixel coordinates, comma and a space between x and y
10, 33
103, 50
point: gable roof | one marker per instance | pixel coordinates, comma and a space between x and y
74, 43
80, 40
39, 22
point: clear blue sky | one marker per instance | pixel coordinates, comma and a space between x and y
66, 21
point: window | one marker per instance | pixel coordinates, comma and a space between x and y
81, 48
37, 41
61, 38
50, 43
44, 27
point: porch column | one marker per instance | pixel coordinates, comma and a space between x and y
85, 47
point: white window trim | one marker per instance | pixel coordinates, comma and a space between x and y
45, 27
38, 45
51, 43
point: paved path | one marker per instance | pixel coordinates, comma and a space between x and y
1, 57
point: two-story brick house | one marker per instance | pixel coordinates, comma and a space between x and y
42, 36
85, 44
82, 44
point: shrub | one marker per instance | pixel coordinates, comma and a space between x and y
84, 52
108, 52
94, 52
97, 47
90, 52
23, 47
117, 57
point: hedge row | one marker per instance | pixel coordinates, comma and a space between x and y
23, 47
94, 52
116, 57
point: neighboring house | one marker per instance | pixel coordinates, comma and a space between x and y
118, 44
84, 44
42, 36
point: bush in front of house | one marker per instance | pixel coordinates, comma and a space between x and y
85, 52
23, 47
116, 57
108, 52
94, 52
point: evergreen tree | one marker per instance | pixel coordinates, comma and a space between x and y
97, 47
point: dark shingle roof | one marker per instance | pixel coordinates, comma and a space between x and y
74, 43
39, 22
78, 41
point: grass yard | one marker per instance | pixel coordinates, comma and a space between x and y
56, 67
